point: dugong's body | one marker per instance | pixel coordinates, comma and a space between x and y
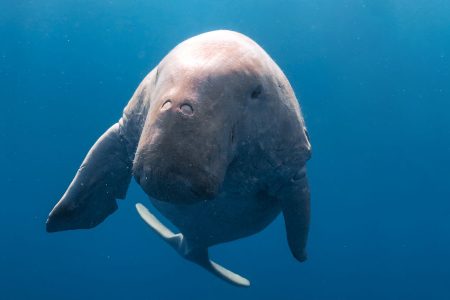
215, 136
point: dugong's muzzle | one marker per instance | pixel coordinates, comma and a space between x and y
182, 155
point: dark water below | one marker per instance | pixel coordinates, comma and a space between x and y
373, 78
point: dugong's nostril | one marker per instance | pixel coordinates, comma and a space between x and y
167, 105
187, 109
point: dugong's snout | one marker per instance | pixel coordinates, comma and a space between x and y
184, 150
178, 172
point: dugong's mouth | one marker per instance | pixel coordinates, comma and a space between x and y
178, 188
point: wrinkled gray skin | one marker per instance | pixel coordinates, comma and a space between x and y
214, 135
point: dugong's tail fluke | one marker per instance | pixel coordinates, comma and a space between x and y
198, 256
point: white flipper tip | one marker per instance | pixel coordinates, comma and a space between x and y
230, 276
153, 222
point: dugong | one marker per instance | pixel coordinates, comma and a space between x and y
215, 137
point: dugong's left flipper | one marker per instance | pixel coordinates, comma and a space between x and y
296, 211
103, 177
198, 256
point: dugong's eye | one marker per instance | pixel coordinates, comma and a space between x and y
256, 92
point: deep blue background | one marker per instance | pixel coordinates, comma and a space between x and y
373, 79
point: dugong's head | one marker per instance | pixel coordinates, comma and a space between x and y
200, 91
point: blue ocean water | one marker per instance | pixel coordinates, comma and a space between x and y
373, 79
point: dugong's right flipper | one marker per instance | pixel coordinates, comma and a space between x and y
296, 211
103, 177
198, 256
